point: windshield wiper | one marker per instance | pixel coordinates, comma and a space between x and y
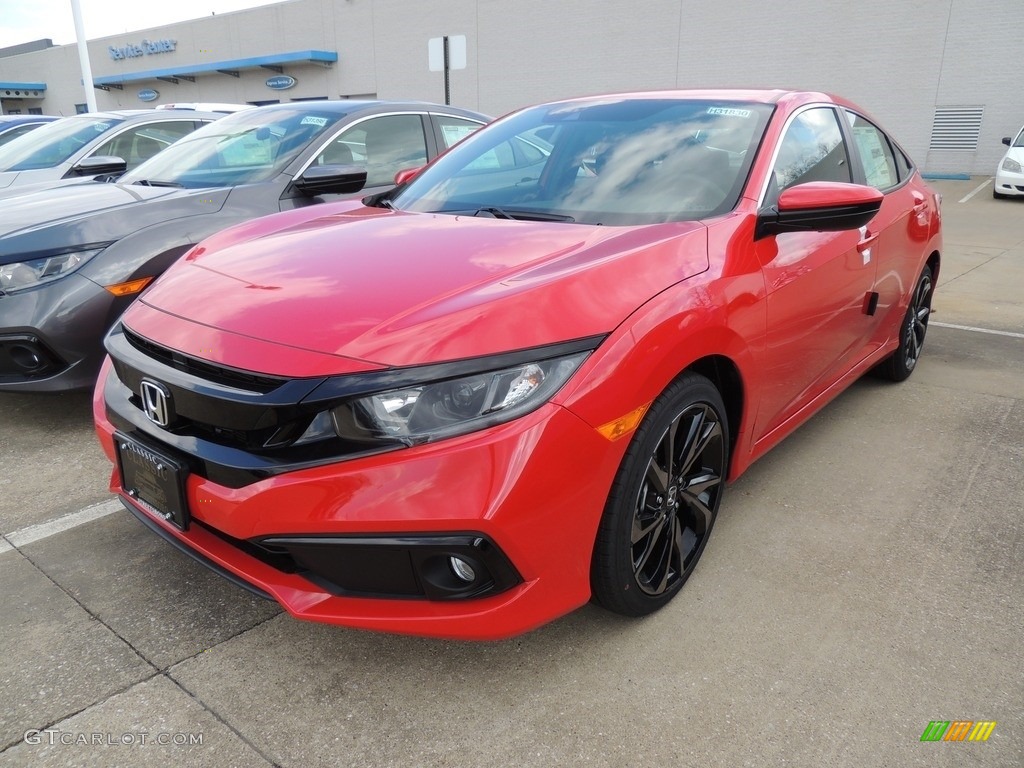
523, 214
155, 183
495, 211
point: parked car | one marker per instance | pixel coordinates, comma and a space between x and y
13, 126
1009, 181
79, 147
520, 380
71, 259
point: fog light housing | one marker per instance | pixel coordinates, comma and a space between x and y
462, 569
414, 566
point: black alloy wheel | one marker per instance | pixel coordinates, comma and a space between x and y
901, 364
664, 500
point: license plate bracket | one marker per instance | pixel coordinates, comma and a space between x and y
153, 479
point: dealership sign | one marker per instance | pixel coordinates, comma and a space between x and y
281, 82
148, 94
145, 48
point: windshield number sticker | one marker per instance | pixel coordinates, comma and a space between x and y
318, 121
728, 112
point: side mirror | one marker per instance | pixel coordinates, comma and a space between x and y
331, 180
819, 206
406, 174
97, 164
1006, 140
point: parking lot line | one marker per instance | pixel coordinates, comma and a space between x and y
978, 189
992, 331
41, 531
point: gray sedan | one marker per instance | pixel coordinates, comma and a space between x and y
73, 258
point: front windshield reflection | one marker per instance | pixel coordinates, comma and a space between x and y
53, 143
242, 148
611, 162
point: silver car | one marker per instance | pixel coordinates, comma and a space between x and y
83, 146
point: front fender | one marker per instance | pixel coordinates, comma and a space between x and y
696, 319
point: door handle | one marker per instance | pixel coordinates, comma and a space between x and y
867, 240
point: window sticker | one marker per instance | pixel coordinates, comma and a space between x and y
729, 112
455, 133
876, 166
317, 121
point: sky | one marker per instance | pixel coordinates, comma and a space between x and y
24, 20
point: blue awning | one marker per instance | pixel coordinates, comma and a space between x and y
21, 90
233, 67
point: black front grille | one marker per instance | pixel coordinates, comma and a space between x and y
229, 377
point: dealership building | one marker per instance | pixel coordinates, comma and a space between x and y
929, 70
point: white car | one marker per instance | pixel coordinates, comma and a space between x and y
1010, 173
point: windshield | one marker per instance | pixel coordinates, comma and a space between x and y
621, 161
242, 148
53, 143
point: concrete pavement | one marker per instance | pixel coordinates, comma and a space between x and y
863, 579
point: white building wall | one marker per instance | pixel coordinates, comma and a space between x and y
899, 60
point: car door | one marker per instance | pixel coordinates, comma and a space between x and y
900, 227
816, 282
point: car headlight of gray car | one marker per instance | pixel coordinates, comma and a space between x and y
32, 272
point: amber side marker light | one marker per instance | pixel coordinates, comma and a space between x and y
623, 425
132, 286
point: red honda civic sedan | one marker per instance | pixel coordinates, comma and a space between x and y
522, 379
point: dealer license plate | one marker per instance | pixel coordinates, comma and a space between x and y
153, 479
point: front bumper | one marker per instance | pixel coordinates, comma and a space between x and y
1008, 183
51, 337
533, 488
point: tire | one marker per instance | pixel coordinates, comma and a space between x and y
664, 500
899, 365
999, 195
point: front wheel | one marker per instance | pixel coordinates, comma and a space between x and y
664, 500
902, 362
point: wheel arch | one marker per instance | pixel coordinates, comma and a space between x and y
723, 372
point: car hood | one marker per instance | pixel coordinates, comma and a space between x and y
18, 190
92, 213
398, 288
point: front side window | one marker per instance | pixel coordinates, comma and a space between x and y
383, 145
243, 148
812, 150
876, 157
610, 162
53, 143
141, 142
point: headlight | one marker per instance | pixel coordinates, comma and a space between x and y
1011, 165
28, 274
432, 410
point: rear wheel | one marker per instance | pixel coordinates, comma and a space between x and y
902, 362
664, 500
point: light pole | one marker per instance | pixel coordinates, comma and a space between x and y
83, 57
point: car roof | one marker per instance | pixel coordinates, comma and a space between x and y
763, 95
349, 106
16, 119
140, 115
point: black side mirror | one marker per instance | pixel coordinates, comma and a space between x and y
819, 206
1006, 140
97, 164
331, 180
